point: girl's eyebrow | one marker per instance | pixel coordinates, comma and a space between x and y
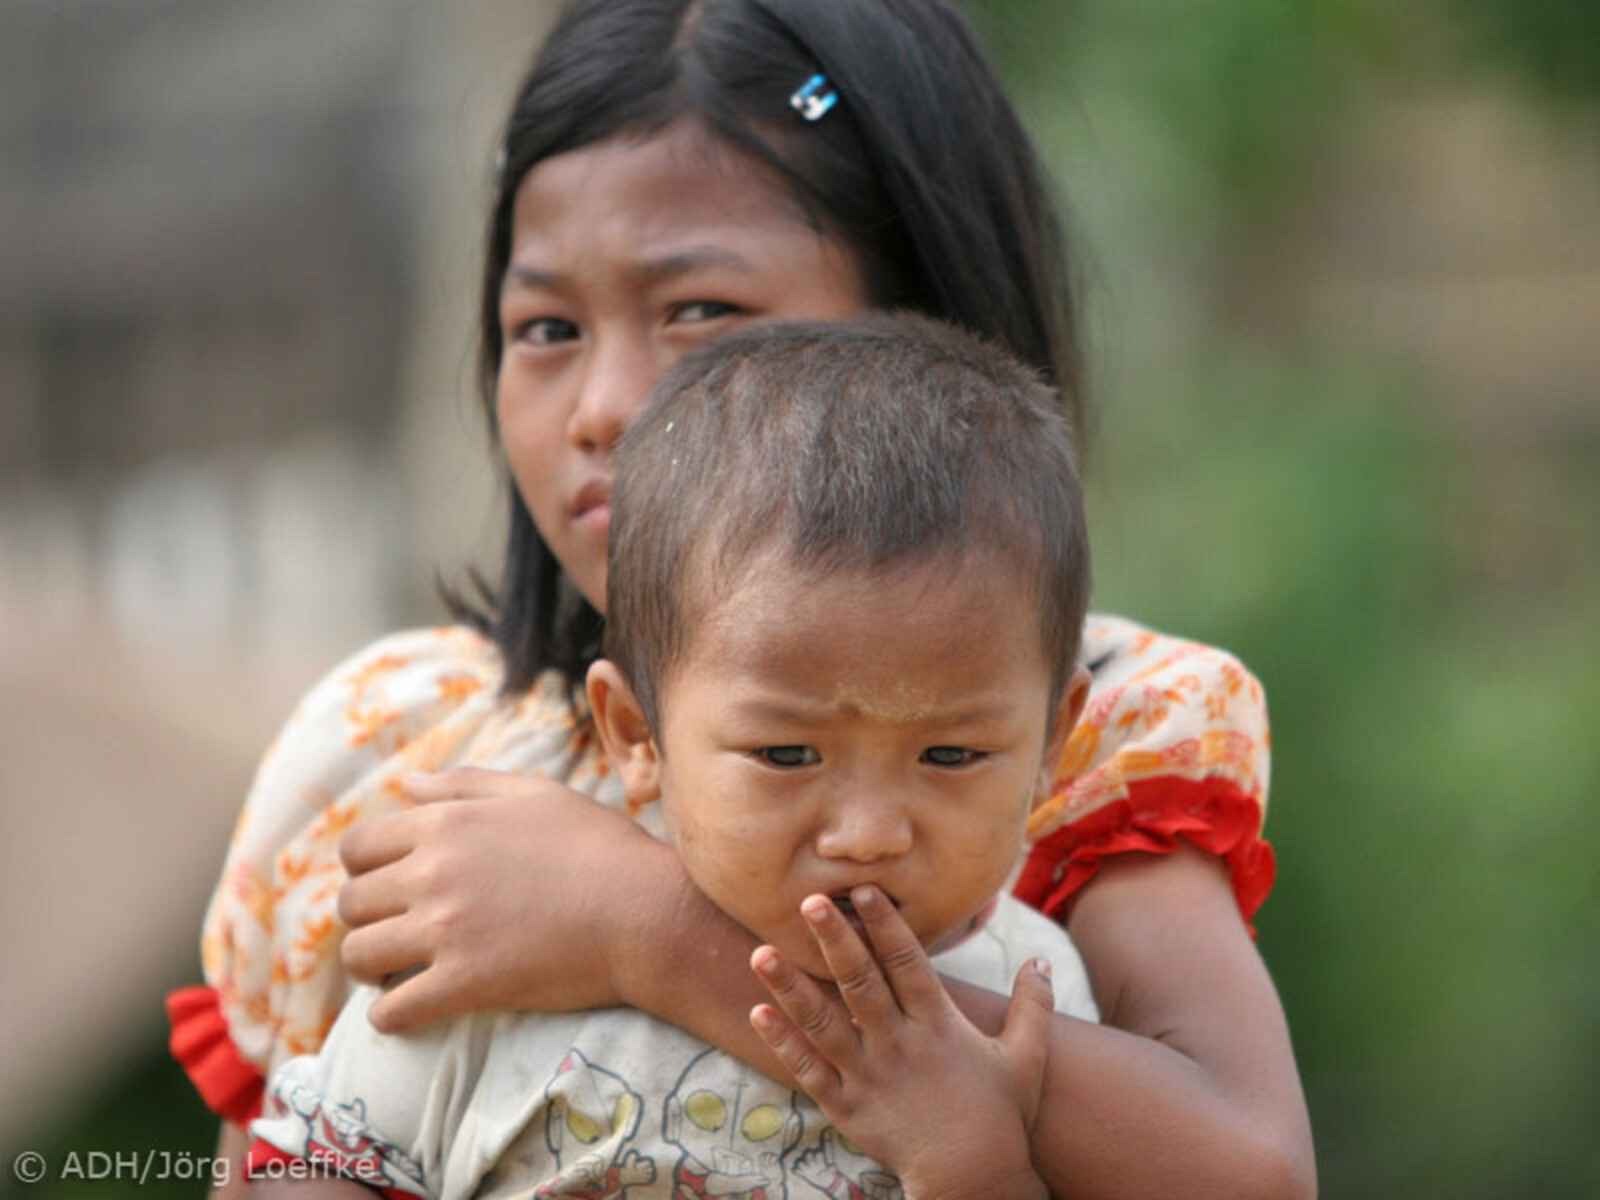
682, 262
651, 270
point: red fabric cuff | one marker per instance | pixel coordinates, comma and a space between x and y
266, 1161
230, 1086
1214, 814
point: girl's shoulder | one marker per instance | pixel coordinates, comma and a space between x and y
373, 703
1118, 651
404, 672
1173, 743
394, 698
1163, 705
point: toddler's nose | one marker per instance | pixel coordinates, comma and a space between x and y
865, 829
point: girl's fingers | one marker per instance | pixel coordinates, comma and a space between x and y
369, 898
855, 971
374, 952
463, 783
900, 955
419, 1000
439, 800
804, 1003
378, 841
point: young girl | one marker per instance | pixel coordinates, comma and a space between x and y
673, 169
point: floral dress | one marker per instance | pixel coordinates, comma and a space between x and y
1173, 744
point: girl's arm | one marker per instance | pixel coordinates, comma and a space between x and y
1189, 1089
233, 1149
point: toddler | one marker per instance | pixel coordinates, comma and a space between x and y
847, 576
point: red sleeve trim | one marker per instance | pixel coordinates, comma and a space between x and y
1214, 814
266, 1161
231, 1086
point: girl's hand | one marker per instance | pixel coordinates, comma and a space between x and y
896, 1066
509, 891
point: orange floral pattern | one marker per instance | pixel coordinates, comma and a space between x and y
1160, 709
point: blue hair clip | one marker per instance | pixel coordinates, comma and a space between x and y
810, 101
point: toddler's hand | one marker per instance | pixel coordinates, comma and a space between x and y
897, 1067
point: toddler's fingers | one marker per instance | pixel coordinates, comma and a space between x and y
854, 969
804, 1003
1025, 1037
901, 956
811, 1072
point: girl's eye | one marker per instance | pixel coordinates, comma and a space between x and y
789, 757
545, 331
704, 310
950, 756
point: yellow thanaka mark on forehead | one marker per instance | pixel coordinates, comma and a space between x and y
899, 703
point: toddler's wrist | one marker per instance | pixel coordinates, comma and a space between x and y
1003, 1170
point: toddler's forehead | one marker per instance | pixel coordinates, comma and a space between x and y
775, 597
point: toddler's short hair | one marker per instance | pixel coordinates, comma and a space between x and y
871, 443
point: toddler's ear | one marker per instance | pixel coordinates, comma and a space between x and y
624, 732
1073, 697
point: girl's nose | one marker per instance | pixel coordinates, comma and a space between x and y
865, 829
617, 377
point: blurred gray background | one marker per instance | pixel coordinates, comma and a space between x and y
1343, 259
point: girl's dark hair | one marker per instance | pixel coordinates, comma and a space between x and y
922, 169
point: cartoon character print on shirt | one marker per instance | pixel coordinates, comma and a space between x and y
835, 1167
338, 1134
734, 1127
591, 1116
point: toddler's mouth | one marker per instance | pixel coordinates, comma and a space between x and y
847, 909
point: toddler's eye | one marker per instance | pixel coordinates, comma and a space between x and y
950, 756
789, 757
545, 331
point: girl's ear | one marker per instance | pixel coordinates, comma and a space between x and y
624, 732
1073, 697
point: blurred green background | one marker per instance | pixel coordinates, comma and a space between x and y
1343, 262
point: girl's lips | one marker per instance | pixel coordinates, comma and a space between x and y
596, 516
591, 507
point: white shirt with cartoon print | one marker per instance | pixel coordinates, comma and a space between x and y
601, 1104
